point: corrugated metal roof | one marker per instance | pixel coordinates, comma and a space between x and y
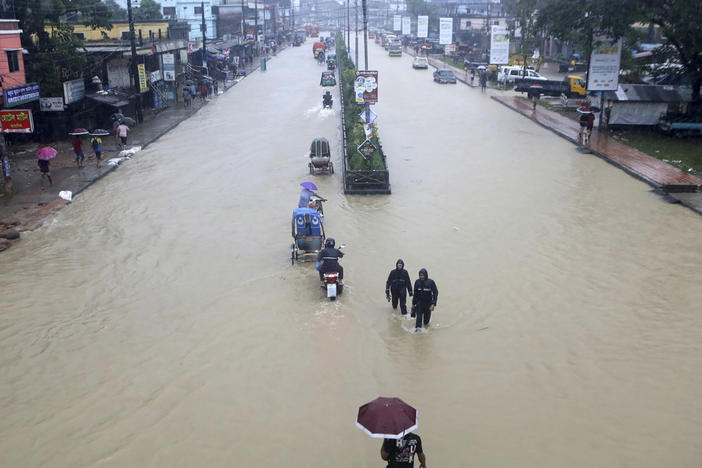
650, 93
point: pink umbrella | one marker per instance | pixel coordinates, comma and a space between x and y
46, 153
389, 418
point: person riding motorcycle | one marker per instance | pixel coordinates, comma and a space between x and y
327, 99
329, 256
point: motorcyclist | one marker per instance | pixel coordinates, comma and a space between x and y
399, 285
424, 300
327, 99
329, 256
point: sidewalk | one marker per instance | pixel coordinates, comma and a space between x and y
684, 187
31, 204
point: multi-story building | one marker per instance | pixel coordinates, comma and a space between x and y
191, 11
11, 61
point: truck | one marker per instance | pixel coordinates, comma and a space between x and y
571, 86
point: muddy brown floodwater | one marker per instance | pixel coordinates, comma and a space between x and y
157, 320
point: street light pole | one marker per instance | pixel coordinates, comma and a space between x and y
135, 70
203, 28
356, 29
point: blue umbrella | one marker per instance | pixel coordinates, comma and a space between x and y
308, 185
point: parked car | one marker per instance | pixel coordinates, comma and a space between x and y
444, 76
511, 75
420, 62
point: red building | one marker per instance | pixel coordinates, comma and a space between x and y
11, 61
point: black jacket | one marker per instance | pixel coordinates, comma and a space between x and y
425, 290
329, 255
399, 280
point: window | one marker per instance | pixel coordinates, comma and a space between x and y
198, 10
80, 36
125, 35
169, 11
13, 60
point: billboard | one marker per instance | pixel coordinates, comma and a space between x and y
366, 86
397, 23
604, 63
143, 87
499, 45
406, 23
422, 26
51, 104
17, 121
445, 31
168, 67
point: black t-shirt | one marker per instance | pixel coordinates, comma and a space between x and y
402, 450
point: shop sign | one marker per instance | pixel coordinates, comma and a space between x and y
17, 121
73, 91
168, 67
21, 95
155, 76
143, 87
51, 104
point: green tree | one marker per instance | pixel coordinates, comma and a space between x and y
525, 14
148, 10
679, 24
50, 40
118, 13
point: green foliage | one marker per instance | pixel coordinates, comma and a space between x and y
355, 134
148, 10
53, 53
118, 13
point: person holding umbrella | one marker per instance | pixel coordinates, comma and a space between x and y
306, 194
44, 155
393, 420
399, 453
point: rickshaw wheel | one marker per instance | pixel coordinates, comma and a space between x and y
331, 168
311, 169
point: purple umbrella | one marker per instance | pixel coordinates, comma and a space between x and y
308, 186
46, 153
387, 418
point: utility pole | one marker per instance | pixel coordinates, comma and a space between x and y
243, 36
203, 28
256, 26
348, 28
135, 70
356, 29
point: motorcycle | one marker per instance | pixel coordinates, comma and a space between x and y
331, 282
327, 103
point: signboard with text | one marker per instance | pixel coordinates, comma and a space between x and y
168, 61
143, 87
406, 24
604, 63
499, 45
366, 148
17, 121
445, 31
422, 26
51, 104
73, 91
365, 86
397, 23
21, 95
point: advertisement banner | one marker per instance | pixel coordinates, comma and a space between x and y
366, 86
51, 104
445, 30
155, 76
183, 56
143, 87
397, 23
21, 95
604, 63
422, 26
499, 45
406, 24
73, 91
168, 61
17, 121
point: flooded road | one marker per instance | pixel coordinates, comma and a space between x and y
157, 320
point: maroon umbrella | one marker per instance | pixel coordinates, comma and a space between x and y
387, 418
78, 132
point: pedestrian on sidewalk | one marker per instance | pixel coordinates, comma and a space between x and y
203, 91
186, 96
472, 76
122, 131
96, 143
45, 174
78, 149
483, 81
216, 88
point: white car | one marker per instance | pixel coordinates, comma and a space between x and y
420, 62
512, 74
